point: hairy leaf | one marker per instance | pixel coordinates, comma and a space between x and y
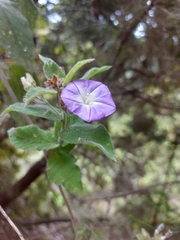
37, 91
32, 137
91, 135
94, 71
75, 68
61, 169
51, 68
37, 110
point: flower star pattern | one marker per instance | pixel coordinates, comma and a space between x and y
88, 99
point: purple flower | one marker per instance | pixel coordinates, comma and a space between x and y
88, 99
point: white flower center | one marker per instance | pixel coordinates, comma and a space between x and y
88, 99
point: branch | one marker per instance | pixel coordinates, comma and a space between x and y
34, 172
24, 222
41, 221
126, 33
125, 194
11, 223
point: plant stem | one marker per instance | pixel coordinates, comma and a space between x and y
68, 207
47, 103
11, 223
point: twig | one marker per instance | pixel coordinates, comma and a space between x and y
41, 221
69, 208
125, 194
54, 220
125, 34
11, 223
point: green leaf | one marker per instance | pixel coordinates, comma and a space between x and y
15, 35
139, 236
37, 110
32, 137
16, 72
96, 235
69, 121
74, 69
144, 235
94, 135
73, 119
57, 129
61, 169
83, 231
37, 91
69, 147
94, 71
51, 68
28, 9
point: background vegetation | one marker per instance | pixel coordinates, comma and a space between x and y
140, 39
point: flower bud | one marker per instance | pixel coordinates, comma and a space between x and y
168, 234
159, 228
28, 82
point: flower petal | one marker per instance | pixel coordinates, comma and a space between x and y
99, 105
